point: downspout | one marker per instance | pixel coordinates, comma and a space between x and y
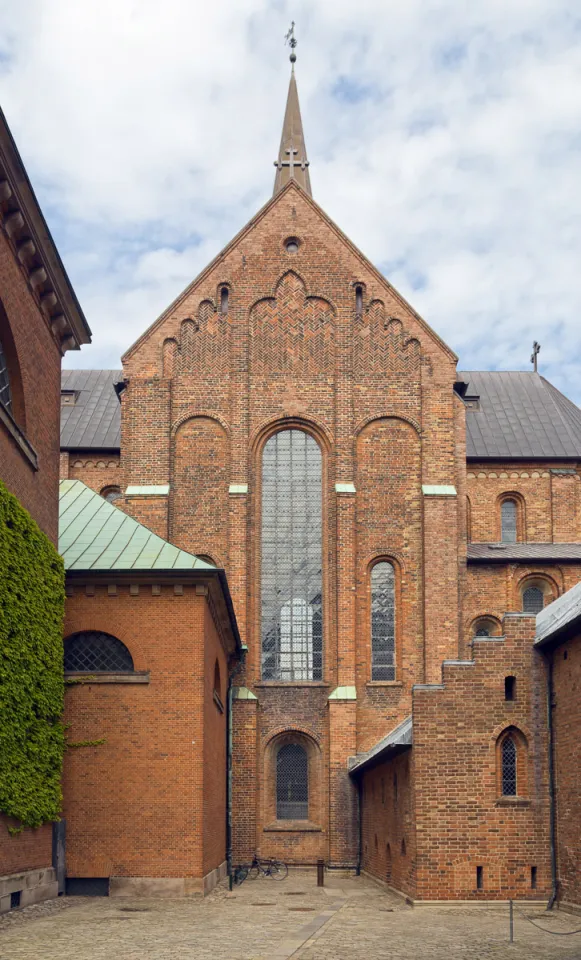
552, 827
359, 826
229, 712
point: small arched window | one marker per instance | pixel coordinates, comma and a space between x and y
468, 520
508, 758
508, 521
5, 392
292, 783
224, 293
510, 688
383, 621
359, 300
533, 600
95, 652
217, 681
485, 627
111, 493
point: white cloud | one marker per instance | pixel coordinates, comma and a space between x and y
443, 138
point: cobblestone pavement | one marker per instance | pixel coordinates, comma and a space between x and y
349, 919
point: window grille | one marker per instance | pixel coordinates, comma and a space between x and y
5, 394
533, 600
292, 783
508, 767
508, 515
111, 493
383, 621
292, 555
482, 632
94, 652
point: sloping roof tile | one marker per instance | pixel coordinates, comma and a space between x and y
519, 552
96, 535
520, 415
94, 420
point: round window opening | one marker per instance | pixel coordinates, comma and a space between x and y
291, 245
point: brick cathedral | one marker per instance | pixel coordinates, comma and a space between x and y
391, 531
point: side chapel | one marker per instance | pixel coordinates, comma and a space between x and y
390, 527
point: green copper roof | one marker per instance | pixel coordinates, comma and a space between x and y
95, 535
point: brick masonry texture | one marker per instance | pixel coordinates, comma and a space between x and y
150, 801
205, 390
34, 364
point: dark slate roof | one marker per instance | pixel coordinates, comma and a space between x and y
520, 415
509, 552
94, 420
399, 739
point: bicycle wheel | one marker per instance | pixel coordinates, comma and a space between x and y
278, 870
253, 871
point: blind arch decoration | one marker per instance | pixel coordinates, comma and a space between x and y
508, 521
292, 783
292, 557
94, 652
383, 621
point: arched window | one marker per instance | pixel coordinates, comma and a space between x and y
533, 600
508, 767
383, 621
217, 681
292, 783
111, 493
224, 292
508, 521
5, 392
94, 652
485, 627
359, 300
292, 557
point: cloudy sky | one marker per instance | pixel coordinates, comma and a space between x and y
444, 138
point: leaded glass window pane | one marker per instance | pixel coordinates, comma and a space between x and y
94, 652
509, 767
383, 621
508, 521
482, 632
5, 395
292, 557
292, 783
533, 600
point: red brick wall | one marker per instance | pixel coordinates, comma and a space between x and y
98, 470
36, 389
214, 793
388, 836
28, 850
567, 723
135, 805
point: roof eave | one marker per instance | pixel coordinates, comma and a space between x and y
34, 248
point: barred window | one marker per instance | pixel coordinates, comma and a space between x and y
508, 767
292, 783
5, 393
111, 493
94, 652
292, 556
383, 621
508, 517
533, 600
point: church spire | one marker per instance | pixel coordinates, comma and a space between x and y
292, 156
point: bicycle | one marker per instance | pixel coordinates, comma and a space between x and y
275, 869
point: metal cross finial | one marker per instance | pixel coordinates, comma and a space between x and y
292, 42
534, 355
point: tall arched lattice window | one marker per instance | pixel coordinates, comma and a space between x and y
94, 652
533, 600
383, 621
508, 521
5, 393
292, 783
292, 557
508, 767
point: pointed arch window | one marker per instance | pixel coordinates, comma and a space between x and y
292, 783
509, 772
292, 555
383, 621
508, 521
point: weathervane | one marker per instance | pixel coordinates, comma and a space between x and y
292, 42
534, 355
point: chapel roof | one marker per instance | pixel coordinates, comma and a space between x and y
94, 535
90, 410
556, 621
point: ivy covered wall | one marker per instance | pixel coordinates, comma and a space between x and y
31, 667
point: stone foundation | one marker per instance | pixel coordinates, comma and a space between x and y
32, 885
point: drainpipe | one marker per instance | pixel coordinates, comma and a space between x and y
229, 697
359, 825
552, 828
